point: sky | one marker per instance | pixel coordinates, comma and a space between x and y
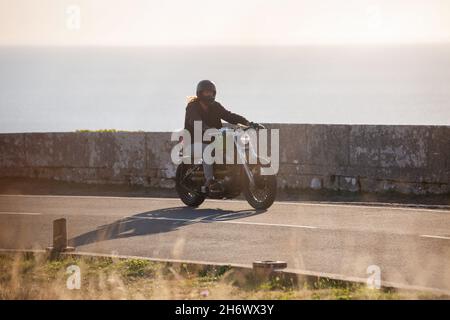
219, 22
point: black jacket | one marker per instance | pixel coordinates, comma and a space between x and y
210, 118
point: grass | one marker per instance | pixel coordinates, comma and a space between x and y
35, 276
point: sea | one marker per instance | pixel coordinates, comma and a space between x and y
63, 89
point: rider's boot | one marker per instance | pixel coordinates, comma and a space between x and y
213, 186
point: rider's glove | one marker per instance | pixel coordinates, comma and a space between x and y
255, 125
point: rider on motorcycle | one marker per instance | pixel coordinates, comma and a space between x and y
204, 108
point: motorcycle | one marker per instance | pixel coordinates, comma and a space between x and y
238, 177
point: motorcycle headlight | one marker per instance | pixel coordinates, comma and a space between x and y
245, 139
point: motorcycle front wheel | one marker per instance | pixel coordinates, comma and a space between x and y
189, 197
262, 195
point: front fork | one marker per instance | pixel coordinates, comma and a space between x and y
242, 156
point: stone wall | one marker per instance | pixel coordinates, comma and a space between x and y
368, 158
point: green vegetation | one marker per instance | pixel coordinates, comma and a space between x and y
35, 276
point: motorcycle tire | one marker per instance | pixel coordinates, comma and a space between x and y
271, 182
189, 197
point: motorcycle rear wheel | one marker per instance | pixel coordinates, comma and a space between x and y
189, 197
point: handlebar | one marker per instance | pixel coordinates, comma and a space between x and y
255, 125
252, 125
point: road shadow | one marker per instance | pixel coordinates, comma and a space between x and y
158, 221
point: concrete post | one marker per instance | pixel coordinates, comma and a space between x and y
59, 234
263, 270
60, 237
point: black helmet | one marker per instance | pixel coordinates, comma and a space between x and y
206, 85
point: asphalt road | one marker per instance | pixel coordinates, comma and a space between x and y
410, 246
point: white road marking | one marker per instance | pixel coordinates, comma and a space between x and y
206, 220
369, 206
24, 213
270, 224
435, 237
295, 203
